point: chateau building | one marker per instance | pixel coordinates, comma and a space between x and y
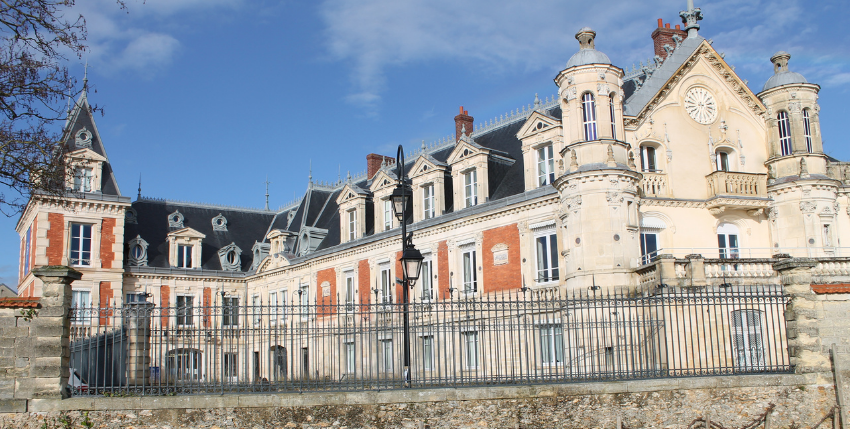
624, 171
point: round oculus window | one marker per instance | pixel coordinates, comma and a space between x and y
137, 251
231, 257
700, 105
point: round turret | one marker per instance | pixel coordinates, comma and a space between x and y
782, 75
587, 54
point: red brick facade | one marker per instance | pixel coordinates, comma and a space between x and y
55, 239
107, 239
206, 303
105, 295
363, 277
443, 270
373, 163
663, 35
326, 303
165, 301
398, 274
505, 276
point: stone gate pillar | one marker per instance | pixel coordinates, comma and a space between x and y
137, 322
51, 330
802, 319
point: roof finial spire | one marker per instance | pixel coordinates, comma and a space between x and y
536, 102
267, 192
139, 197
86, 76
310, 176
690, 18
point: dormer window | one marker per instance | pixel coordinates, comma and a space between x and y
230, 257
138, 252
185, 248
470, 188
84, 170
184, 256
784, 124
545, 166
83, 179
388, 214
428, 201
352, 224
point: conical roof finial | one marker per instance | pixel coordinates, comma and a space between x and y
536, 102
690, 18
139, 197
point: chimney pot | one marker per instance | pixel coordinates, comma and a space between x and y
677, 27
667, 25
463, 120
660, 22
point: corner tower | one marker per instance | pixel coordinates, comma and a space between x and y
598, 187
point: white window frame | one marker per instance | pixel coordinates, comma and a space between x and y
807, 130
230, 311
350, 357
352, 224
184, 258
649, 159
185, 313
550, 273
426, 279
728, 241
748, 339
551, 336
350, 282
304, 301
588, 116
469, 265
545, 165
470, 187
256, 310
230, 365
428, 352
83, 313
723, 160
470, 349
783, 121
386, 283
428, 201
77, 256
388, 214
83, 178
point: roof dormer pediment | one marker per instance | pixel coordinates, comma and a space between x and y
464, 150
86, 154
383, 179
187, 232
351, 192
537, 122
426, 164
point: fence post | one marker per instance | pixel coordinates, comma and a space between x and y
802, 318
138, 325
52, 335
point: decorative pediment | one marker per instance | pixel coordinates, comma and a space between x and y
351, 192
219, 223
175, 220
537, 122
230, 257
187, 232
383, 179
464, 150
86, 154
424, 165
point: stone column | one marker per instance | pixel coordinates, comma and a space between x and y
51, 332
667, 270
696, 270
137, 322
802, 318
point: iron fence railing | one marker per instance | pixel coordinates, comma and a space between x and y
500, 338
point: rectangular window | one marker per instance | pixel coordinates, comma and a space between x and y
81, 244
349, 291
470, 278
647, 159
470, 342
135, 298
547, 258
185, 310
386, 285
648, 247
352, 225
230, 312
80, 307
428, 352
274, 310
304, 298
281, 305
748, 339
551, 344
230, 365
83, 179
388, 214
184, 256
545, 166
387, 355
349, 357
784, 124
613, 117
426, 280
728, 245
588, 112
722, 161
470, 188
428, 201
256, 309
807, 130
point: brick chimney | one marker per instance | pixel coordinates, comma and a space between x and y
373, 163
663, 35
463, 120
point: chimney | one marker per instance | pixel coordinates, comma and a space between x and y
463, 120
663, 35
373, 163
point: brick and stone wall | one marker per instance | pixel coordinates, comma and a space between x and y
499, 275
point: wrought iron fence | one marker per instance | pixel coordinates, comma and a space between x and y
501, 338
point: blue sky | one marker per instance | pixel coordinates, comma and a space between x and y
207, 98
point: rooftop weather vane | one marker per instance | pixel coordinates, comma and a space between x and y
267, 192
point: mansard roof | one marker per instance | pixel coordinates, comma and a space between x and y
81, 118
639, 97
244, 227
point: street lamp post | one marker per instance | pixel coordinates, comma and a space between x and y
411, 258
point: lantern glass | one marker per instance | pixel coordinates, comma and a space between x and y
411, 263
399, 198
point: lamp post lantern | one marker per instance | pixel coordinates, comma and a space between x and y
411, 258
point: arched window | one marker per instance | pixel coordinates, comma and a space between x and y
722, 160
613, 117
807, 129
727, 240
588, 113
647, 159
784, 133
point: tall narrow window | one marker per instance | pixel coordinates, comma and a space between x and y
83, 179
27, 251
388, 214
470, 188
551, 344
386, 285
722, 161
80, 244
352, 224
274, 310
827, 236
349, 291
80, 307
647, 159
748, 339
428, 201
185, 310
230, 365
613, 117
807, 129
648, 247
428, 352
184, 256
588, 116
349, 357
470, 278
304, 301
784, 133
545, 166
426, 280
230, 312
727, 240
470, 340
547, 258
256, 309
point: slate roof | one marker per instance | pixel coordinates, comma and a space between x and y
80, 117
643, 95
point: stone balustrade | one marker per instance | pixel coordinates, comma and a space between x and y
737, 184
655, 185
